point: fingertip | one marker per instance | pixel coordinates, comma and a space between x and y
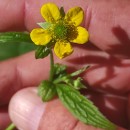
26, 109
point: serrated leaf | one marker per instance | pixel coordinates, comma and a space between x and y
41, 52
46, 90
82, 108
45, 25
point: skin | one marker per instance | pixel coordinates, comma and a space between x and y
107, 53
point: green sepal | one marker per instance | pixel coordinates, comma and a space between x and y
45, 25
12, 37
41, 52
62, 12
82, 108
46, 90
77, 84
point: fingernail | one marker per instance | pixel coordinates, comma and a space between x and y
26, 109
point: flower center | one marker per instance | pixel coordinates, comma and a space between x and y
60, 31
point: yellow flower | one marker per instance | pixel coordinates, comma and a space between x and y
60, 29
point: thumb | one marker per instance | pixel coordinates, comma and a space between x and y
28, 112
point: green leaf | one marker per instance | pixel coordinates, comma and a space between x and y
15, 37
82, 108
41, 52
78, 72
13, 44
46, 90
45, 25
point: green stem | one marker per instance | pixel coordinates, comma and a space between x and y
56, 81
51, 66
10, 127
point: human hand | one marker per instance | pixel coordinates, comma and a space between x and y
108, 31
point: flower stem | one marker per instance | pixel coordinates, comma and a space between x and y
10, 127
51, 66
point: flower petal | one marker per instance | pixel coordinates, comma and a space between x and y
40, 36
82, 36
63, 49
50, 12
75, 15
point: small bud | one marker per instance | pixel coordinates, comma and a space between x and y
77, 83
60, 31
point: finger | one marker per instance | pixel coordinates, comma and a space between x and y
18, 73
129, 110
27, 111
4, 118
106, 73
12, 15
107, 22
108, 26
28, 13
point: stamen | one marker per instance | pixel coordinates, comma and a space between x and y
72, 32
60, 31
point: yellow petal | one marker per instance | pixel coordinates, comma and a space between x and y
63, 49
82, 36
75, 15
50, 12
40, 36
